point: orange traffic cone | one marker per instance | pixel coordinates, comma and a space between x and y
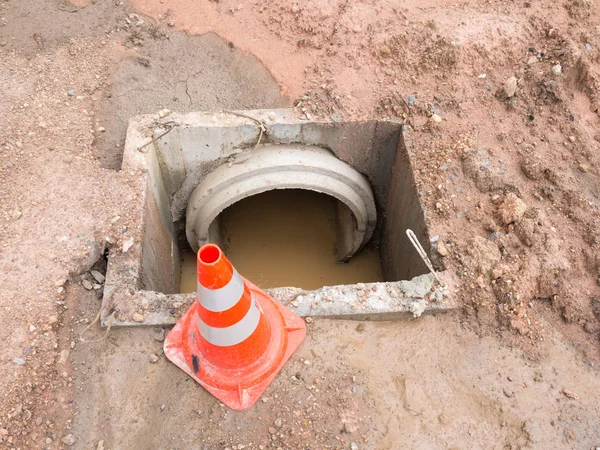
235, 338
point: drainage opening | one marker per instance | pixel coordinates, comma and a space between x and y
264, 208
287, 237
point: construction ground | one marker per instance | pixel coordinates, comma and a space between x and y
502, 101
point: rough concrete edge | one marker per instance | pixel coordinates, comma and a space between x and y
362, 301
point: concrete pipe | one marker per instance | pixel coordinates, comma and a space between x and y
286, 167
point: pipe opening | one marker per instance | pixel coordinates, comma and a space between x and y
287, 237
209, 254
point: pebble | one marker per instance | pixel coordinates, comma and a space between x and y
272, 116
164, 113
512, 209
482, 76
137, 317
101, 129
127, 245
48, 440
69, 440
97, 276
3, 432
588, 46
153, 358
19, 361
497, 273
532, 60
411, 100
16, 215
442, 250
100, 445
436, 118
508, 392
583, 168
70, 92
557, 69
384, 50
353, 446
159, 334
570, 394
510, 87
86, 284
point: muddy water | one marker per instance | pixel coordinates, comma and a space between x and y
287, 238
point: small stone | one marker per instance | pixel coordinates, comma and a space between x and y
86, 284
159, 334
100, 445
272, 430
19, 361
436, 118
32, 328
70, 92
52, 320
101, 129
272, 116
69, 440
163, 407
278, 422
411, 100
97, 276
153, 358
16, 215
384, 50
353, 446
510, 87
570, 394
557, 69
442, 250
48, 440
532, 60
137, 317
3, 432
583, 168
508, 392
306, 362
127, 245
139, 22
309, 320
497, 273
512, 209
164, 113
588, 46
482, 76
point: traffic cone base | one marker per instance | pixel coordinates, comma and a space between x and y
238, 388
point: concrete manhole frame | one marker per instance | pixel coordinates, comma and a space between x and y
286, 167
175, 154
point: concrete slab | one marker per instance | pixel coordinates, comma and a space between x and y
363, 301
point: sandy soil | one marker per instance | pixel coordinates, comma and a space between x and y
507, 167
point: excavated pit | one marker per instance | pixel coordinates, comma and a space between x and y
362, 168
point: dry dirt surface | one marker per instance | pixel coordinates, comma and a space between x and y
501, 100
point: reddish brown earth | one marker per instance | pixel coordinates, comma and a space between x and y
508, 171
